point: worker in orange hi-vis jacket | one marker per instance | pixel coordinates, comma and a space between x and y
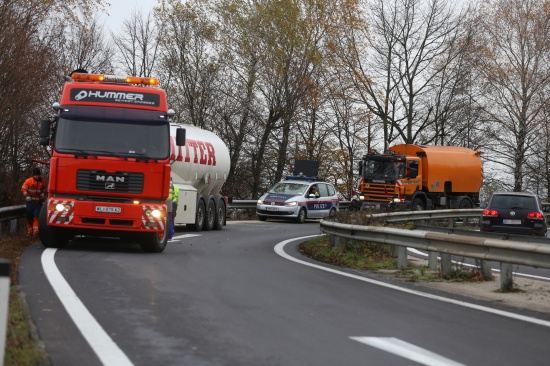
34, 191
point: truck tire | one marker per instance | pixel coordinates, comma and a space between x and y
199, 217
417, 205
301, 216
154, 242
210, 215
465, 202
219, 221
51, 237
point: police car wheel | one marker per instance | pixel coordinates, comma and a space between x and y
301, 216
262, 218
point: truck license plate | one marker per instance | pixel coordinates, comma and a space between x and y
108, 209
272, 209
511, 222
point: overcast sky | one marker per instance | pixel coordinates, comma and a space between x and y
121, 10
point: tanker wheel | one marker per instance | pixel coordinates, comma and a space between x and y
220, 216
417, 205
301, 216
199, 217
50, 237
210, 215
154, 242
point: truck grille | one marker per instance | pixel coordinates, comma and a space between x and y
378, 192
101, 181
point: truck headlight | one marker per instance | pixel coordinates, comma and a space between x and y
291, 204
60, 207
154, 213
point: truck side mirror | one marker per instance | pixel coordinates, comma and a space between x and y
360, 167
180, 136
44, 132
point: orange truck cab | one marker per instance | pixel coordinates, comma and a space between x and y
109, 144
420, 177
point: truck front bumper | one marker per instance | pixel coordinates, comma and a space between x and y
76, 214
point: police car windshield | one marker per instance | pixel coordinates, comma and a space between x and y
289, 188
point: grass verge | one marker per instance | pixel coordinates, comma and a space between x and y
378, 258
22, 345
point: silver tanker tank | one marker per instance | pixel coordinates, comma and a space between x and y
199, 170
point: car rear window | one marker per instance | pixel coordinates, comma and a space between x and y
513, 201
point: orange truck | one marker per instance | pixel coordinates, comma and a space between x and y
420, 177
109, 144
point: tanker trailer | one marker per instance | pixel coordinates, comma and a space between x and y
199, 170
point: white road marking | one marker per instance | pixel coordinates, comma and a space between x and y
407, 350
279, 249
418, 252
100, 342
176, 238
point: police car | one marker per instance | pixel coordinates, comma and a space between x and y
293, 199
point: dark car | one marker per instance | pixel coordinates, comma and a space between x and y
514, 213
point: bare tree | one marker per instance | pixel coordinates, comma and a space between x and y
28, 65
397, 60
516, 73
87, 48
137, 44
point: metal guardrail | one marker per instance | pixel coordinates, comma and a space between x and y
501, 249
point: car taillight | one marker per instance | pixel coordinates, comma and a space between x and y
535, 215
489, 212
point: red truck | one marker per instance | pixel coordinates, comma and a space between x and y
109, 162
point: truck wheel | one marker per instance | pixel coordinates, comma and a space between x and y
220, 215
210, 215
417, 205
301, 216
465, 203
154, 242
50, 237
199, 217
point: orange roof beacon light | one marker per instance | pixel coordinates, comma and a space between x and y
102, 78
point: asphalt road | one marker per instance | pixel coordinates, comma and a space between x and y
244, 296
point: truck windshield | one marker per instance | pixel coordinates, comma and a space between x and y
90, 135
375, 169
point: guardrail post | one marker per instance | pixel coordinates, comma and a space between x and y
432, 260
13, 226
335, 240
506, 281
402, 261
485, 268
446, 265
4, 303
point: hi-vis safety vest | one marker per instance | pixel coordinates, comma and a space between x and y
35, 189
176, 197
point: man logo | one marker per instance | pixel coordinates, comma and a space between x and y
109, 186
